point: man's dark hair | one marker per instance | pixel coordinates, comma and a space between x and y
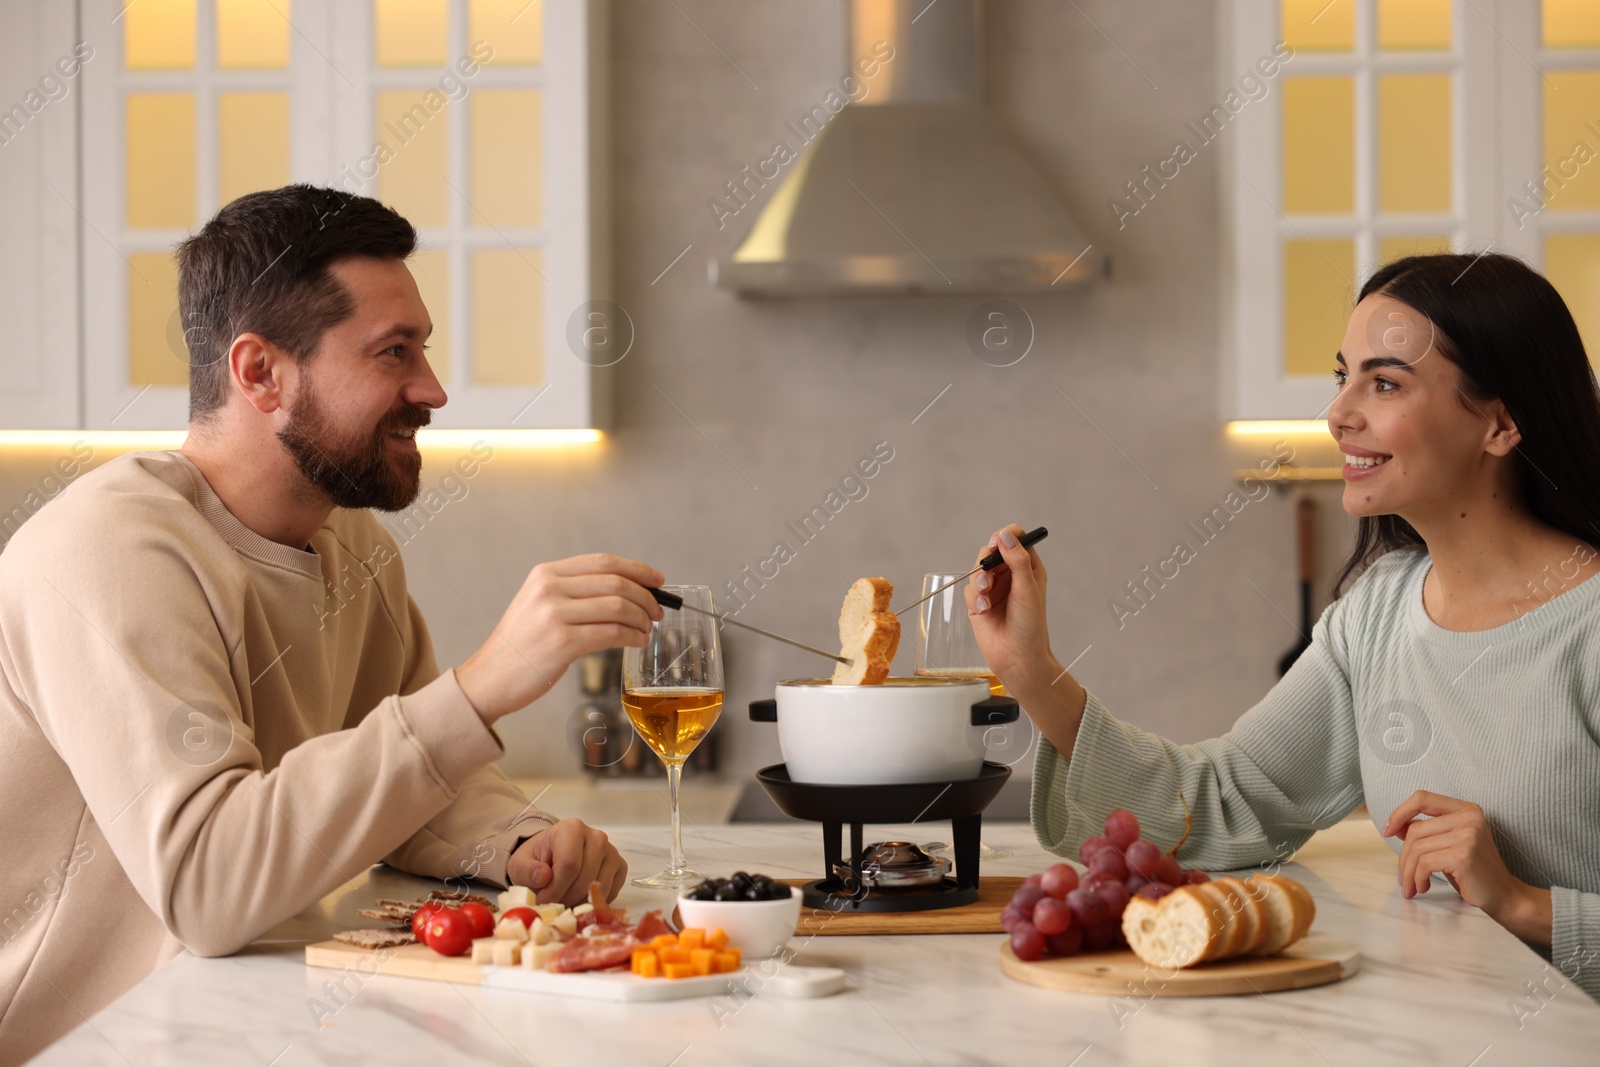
261, 266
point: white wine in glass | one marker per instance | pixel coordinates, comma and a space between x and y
948, 648
672, 691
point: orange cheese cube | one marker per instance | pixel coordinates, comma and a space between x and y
639, 956
677, 970
724, 962
647, 965
717, 939
673, 955
664, 941
701, 960
691, 937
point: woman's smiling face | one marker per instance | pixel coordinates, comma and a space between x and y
1414, 443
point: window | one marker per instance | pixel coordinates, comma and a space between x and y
1393, 129
470, 117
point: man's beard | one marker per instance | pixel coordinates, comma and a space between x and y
354, 474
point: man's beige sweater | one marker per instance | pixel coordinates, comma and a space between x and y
203, 732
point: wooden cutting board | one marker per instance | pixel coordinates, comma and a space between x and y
982, 916
419, 961
1314, 960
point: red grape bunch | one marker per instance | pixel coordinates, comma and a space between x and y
1057, 914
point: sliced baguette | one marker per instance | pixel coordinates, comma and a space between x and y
868, 634
1217, 920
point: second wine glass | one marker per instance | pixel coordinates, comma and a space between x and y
948, 647
672, 690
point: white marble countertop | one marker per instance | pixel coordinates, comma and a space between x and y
1436, 987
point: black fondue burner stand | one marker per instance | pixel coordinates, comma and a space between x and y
961, 802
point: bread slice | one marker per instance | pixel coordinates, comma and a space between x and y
1290, 911
1252, 915
1176, 931
868, 634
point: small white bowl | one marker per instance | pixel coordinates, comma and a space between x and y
759, 928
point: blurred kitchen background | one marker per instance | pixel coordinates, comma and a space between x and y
1130, 319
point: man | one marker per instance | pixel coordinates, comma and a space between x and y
200, 735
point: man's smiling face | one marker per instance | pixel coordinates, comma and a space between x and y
350, 424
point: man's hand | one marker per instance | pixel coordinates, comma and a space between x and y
564, 610
559, 862
1456, 842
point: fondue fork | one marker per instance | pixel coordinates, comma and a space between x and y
988, 563
672, 600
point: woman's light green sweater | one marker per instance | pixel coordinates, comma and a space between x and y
1383, 703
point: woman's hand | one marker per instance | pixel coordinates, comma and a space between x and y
1455, 841
1007, 606
1008, 618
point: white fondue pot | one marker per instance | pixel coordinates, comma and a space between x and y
925, 729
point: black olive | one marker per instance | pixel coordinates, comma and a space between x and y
727, 892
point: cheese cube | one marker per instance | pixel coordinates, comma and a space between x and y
505, 952
583, 909
511, 930
548, 912
518, 896
566, 924
535, 957
541, 934
483, 949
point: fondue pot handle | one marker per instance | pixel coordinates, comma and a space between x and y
767, 710
990, 712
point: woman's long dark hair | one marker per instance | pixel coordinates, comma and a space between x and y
1514, 340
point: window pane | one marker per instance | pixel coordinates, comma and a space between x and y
1319, 136
507, 317
1571, 24
1414, 142
156, 353
410, 33
431, 269
1393, 248
158, 35
414, 143
252, 142
253, 34
161, 160
1572, 263
1316, 302
1413, 25
513, 28
1319, 25
507, 158
1571, 104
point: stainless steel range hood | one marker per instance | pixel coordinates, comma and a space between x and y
915, 188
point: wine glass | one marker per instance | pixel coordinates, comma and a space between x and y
672, 690
949, 648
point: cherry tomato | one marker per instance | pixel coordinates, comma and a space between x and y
449, 932
419, 921
481, 918
525, 916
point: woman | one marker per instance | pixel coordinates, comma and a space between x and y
1454, 686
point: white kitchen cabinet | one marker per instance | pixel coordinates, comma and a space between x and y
1396, 126
480, 120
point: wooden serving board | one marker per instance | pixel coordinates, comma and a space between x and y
419, 961
1314, 960
982, 916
